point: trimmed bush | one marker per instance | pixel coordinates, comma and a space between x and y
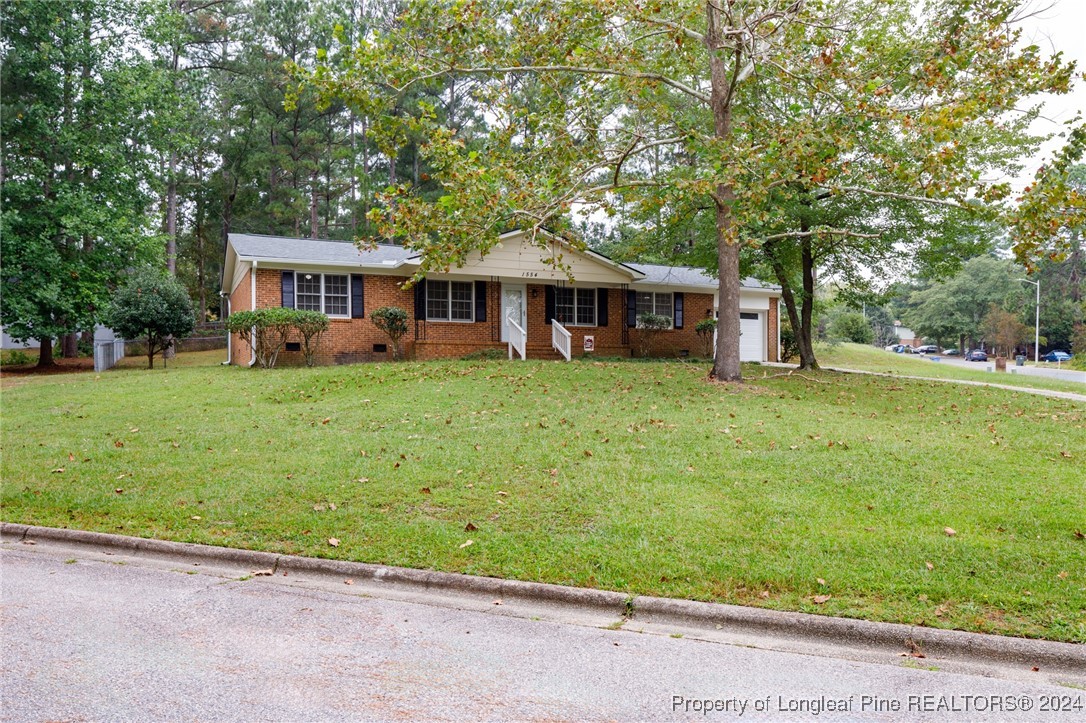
704, 330
393, 321
266, 331
649, 327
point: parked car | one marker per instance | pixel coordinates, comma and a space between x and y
1056, 356
927, 349
976, 355
953, 351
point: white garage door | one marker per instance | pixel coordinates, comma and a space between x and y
752, 336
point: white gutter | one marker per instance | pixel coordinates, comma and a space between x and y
337, 264
252, 278
224, 299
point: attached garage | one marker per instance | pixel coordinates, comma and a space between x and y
751, 336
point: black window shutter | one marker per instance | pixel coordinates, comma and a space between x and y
288, 289
420, 300
678, 310
358, 307
548, 303
601, 307
480, 301
631, 308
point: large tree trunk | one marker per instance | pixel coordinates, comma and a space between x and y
69, 346
726, 363
805, 335
792, 308
45, 353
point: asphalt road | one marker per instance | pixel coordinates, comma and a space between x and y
87, 639
1050, 371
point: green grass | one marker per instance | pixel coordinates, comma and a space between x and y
870, 359
642, 478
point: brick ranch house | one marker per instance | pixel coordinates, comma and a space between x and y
468, 309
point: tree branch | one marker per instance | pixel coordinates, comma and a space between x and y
670, 82
818, 232
900, 196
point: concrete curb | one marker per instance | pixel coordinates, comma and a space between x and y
891, 638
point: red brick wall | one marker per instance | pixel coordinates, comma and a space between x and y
352, 340
673, 342
240, 301
771, 331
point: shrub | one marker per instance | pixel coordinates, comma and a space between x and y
704, 330
393, 321
852, 327
311, 325
266, 330
154, 307
649, 327
789, 346
16, 357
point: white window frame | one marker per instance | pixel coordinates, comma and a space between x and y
654, 295
449, 301
324, 293
578, 294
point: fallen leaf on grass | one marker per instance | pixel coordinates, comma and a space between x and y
465, 544
1079, 535
118, 443
424, 490
1065, 454
175, 445
58, 470
1062, 575
929, 566
819, 599
587, 453
332, 506
333, 542
821, 581
134, 430
196, 517
950, 531
71, 457
764, 594
119, 491
470, 528
326, 420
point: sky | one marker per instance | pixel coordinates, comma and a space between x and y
1057, 25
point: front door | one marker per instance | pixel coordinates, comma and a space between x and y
513, 306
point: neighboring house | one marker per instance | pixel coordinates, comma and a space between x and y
907, 335
466, 310
6, 342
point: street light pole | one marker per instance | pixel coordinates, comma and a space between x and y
1036, 322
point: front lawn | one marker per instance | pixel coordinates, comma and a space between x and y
642, 478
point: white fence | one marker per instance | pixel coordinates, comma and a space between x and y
560, 339
107, 354
518, 339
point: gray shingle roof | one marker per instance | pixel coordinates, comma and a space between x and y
687, 276
315, 250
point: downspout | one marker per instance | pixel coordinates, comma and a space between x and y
252, 279
224, 299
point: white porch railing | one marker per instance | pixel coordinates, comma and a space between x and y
560, 339
518, 339
107, 354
